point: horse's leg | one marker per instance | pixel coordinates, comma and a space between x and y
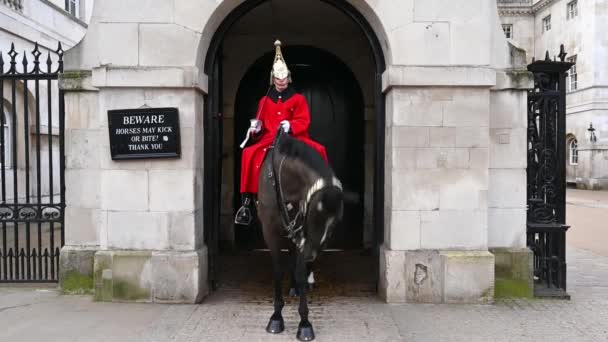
293, 289
276, 324
305, 330
310, 277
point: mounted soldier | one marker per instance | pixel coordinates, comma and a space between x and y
281, 106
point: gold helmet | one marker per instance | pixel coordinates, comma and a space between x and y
279, 67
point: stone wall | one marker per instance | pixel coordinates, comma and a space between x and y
454, 134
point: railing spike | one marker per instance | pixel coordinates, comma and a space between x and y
13, 54
547, 57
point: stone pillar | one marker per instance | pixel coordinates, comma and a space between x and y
437, 157
133, 226
507, 190
142, 217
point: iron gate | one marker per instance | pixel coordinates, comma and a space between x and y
546, 173
31, 166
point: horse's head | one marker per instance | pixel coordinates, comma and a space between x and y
325, 202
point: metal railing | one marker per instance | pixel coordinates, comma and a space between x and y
546, 175
32, 196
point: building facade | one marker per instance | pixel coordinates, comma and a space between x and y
542, 25
441, 127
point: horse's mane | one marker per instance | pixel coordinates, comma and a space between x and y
294, 148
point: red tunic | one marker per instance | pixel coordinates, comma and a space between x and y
277, 107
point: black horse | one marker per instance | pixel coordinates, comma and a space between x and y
300, 200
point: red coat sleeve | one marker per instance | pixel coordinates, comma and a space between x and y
301, 117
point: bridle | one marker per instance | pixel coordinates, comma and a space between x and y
294, 228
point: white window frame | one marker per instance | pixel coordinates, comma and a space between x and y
73, 5
547, 23
508, 30
8, 161
572, 74
572, 9
573, 146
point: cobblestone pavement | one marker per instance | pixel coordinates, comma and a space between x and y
344, 312
233, 315
228, 316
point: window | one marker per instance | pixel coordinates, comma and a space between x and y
508, 29
547, 23
573, 152
572, 75
572, 9
6, 144
71, 6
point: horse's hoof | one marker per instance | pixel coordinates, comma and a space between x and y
305, 332
293, 292
275, 325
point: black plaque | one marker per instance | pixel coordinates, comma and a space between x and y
144, 133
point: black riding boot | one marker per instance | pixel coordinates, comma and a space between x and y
244, 215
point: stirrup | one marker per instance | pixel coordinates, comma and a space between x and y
243, 216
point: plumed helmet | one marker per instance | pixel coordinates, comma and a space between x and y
279, 66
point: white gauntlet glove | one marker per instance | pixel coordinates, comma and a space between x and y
255, 126
286, 126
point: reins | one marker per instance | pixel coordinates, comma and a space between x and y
294, 229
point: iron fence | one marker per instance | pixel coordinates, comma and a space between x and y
32, 181
546, 175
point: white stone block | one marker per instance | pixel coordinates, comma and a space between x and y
82, 148
167, 45
404, 231
84, 189
148, 77
468, 277
137, 230
415, 190
507, 188
134, 11
194, 14
449, 229
172, 190
508, 109
392, 276
442, 78
479, 158
507, 228
183, 99
460, 189
181, 230
472, 136
443, 136
415, 107
116, 44
431, 39
508, 148
423, 276
470, 108
410, 136
124, 190
110, 99
84, 226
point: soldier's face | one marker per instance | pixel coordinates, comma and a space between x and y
280, 84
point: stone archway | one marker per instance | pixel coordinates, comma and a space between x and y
218, 97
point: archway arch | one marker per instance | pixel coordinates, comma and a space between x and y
212, 64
